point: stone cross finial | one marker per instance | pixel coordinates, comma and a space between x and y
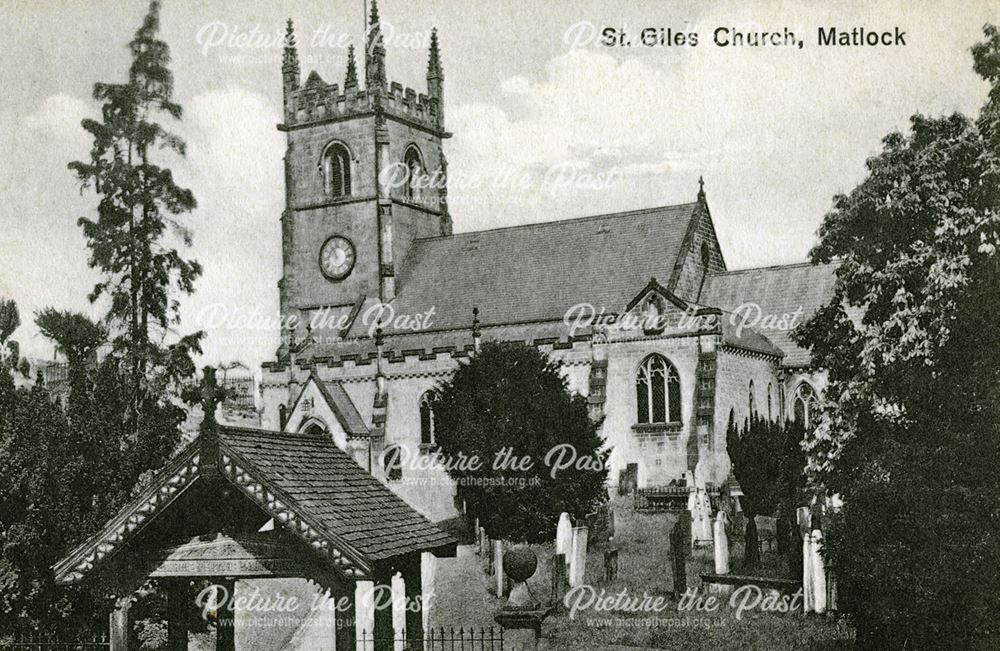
701, 188
208, 393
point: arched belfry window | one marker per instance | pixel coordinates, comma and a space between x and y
336, 166
426, 421
806, 405
657, 391
414, 163
751, 401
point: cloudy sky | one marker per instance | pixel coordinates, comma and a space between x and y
557, 125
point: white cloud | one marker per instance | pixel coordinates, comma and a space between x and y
233, 166
59, 117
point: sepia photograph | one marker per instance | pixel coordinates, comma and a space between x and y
372, 325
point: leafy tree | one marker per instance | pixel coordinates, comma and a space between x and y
912, 432
38, 514
64, 474
768, 462
512, 398
132, 240
9, 319
78, 337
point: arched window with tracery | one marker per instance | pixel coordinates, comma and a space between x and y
806, 405
392, 463
658, 391
414, 163
426, 421
336, 165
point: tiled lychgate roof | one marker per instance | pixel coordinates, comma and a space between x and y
341, 497
535, 272
778, 291
305, 482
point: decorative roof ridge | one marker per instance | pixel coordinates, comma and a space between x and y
775, 267
627, 213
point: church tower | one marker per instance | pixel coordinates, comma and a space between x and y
364, 177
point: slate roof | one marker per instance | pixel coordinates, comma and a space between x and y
343, 499
777, 290
746, 338
344, 408
309, 475
535, 272
340, 404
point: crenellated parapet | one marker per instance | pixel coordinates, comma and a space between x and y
417, 107
316, 100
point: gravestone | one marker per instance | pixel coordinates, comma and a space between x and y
564, 536
488, 553
597, 526
804, 520
628, 479
721, 543
559, 579
819, 573
611, 564
683, 525
680, 547
501, 577
578, 557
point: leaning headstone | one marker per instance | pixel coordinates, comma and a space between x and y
559, 579
564, 536
578, 557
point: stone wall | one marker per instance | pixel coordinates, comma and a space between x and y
736, 369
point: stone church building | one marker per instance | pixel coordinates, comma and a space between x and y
667, 343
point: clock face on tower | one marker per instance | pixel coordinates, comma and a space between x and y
336, 258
